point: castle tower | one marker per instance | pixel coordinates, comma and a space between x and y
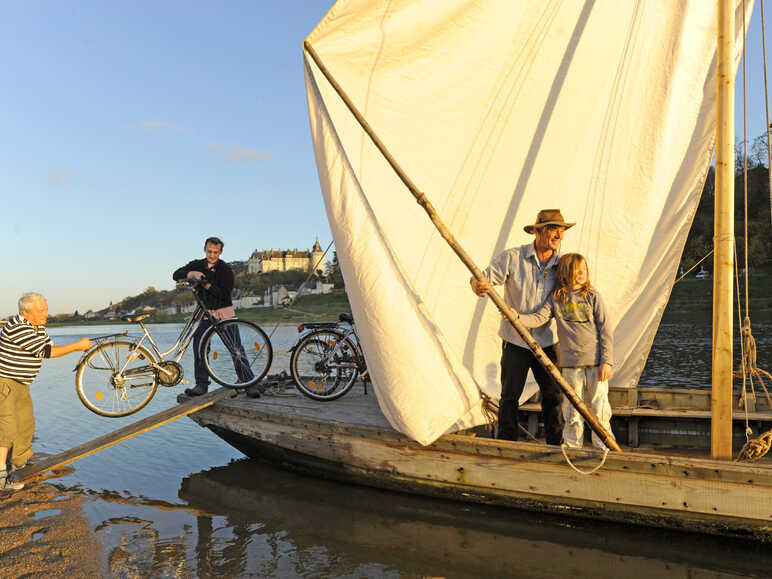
316, 258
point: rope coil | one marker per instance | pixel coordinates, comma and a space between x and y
563, 447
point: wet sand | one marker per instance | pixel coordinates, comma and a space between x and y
44, 532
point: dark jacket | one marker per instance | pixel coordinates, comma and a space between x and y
220, 276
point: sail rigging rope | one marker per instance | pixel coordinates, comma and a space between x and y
276, 389
302, 287
688, 271
753, 449
766, 105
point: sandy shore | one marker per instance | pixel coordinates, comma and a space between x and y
45, 533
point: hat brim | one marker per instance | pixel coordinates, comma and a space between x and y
535, 226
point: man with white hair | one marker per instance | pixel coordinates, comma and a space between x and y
24, 343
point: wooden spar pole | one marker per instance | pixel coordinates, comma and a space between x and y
505, 310
723, 238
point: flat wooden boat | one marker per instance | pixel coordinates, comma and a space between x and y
350, 440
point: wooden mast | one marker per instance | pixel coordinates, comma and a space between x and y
723, 238
511, 316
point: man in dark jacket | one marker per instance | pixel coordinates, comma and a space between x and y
217, 289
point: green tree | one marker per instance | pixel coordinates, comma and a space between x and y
332, 272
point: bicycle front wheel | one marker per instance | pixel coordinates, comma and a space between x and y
324, 365
116, 378
236, 353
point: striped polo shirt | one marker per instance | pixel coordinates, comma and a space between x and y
22, 349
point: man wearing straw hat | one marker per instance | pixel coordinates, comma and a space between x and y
528, 275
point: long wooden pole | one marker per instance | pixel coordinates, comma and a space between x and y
505, 310
723, 238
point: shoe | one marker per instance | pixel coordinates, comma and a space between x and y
197, 390
7, 485
254, 391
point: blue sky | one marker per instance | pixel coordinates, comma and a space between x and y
133, 130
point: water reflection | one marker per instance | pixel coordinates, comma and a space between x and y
310, 527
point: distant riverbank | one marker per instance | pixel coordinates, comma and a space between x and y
689, 297
316, 308
693, 296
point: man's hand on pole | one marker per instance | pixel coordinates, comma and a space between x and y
480, 288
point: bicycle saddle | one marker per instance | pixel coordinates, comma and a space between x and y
134, 317
348, 318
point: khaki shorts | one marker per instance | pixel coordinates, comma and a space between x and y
17, 421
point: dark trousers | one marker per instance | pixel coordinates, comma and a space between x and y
515, 363
231, 338
202, 376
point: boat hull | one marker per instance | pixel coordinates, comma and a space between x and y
695, 495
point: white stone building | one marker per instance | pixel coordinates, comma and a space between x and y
286, 260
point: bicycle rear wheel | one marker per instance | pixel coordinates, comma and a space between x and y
116, 378
324, 365
236, 353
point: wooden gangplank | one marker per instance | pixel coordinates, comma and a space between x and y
105, 441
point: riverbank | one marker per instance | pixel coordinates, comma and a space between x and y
318, 308
694, 297
45, 533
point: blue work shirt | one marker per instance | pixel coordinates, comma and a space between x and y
527, 285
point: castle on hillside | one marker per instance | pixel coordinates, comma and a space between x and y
286, 260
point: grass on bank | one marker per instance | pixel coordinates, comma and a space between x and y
695, 296
321, 308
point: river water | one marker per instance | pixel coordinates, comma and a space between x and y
177, 501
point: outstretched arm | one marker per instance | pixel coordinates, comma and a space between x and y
81, 345
540, 316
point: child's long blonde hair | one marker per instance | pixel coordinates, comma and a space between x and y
565, 278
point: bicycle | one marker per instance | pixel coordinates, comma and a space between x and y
327, 359
119, 375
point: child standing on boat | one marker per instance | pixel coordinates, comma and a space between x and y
584, 344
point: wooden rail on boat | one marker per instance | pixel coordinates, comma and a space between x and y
349, 439
678, 418
130, 431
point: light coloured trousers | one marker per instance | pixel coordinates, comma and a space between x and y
594, 394
17, 421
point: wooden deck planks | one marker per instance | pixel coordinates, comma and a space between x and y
355, 408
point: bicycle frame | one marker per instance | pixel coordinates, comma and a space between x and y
179, 347
186, 335
346, 330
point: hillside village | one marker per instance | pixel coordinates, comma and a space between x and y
268, 279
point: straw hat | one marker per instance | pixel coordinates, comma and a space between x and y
548, 217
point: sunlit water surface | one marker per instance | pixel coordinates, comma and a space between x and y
179, 501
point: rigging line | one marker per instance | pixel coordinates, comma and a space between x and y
743, 355
745, 166
766, 105
707, 255
303, 285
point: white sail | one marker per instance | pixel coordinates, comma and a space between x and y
497, 109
